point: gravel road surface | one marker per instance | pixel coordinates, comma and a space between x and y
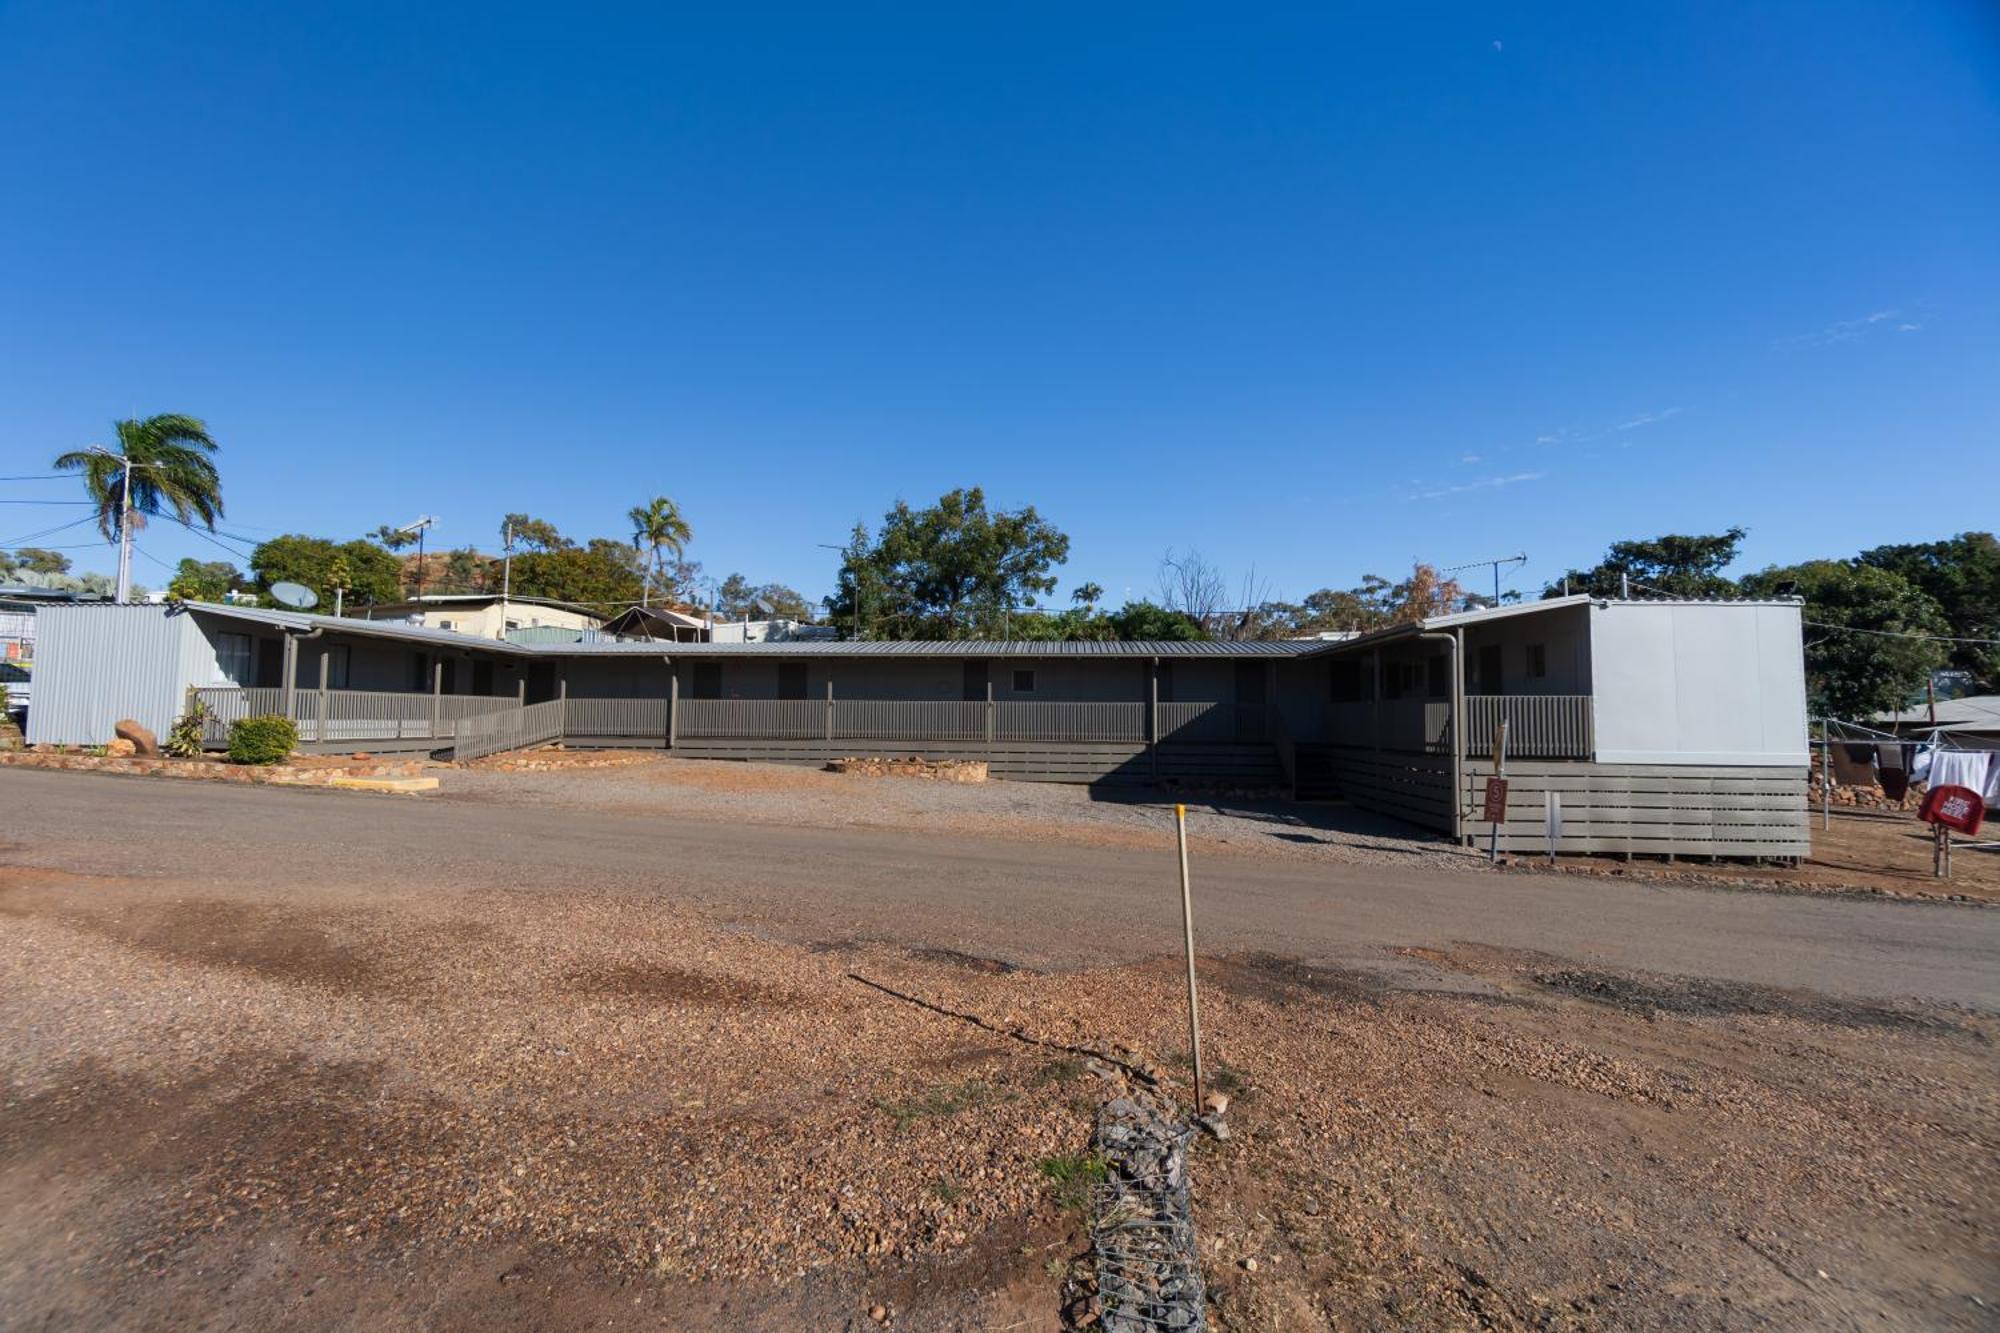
1048, 905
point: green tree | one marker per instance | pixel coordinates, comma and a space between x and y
1088, 595
1962, 575
41, 560
1675, 565
392, 537
167, 460
373, 574
1147, 620
534, 533
658, 527
739, 599
600, 574
950, 571
464, 570
1861, 658
204, 580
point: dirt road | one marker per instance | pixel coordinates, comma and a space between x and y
337, 1062
1042, 904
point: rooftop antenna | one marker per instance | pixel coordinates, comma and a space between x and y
419, 527
1498, 561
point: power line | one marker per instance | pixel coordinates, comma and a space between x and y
47, 502
42, 476
1898, 633
48, 532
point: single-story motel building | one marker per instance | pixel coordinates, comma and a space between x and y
1659, 726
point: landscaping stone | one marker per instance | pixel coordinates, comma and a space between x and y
298, 774
934, 770
142, 739
120, 749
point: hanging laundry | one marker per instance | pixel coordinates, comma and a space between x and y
1965, 768
1895, 783
1854, 765
1892, 754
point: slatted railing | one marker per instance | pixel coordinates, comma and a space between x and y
513, 729
1539, 726
335, 716
778, 719
1019, 720
605, 719
908, 720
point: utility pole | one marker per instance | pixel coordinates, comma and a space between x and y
125, 534
506, 568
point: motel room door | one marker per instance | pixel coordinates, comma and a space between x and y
1251, 697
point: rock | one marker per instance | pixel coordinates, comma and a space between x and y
1216, 1103
143, 741
1249, 1265
120, 749
879, 1314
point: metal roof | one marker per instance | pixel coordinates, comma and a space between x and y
1109, 648
1973, 712
1092, 648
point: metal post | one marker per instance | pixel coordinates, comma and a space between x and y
989, 710
437, 694
1499, 771
290, 667
125, 536
1825, 774
1153, 714
521, 692
562, 699
829, 704
673, 703
1187, 931
319, 726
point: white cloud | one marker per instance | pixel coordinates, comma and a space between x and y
1483, 484
1849, 330
1649, 419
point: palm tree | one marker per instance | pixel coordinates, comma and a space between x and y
161, 462
658, 527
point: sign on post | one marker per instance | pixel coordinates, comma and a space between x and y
1495, 810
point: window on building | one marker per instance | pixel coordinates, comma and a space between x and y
791, 680
1024, 680
336, 666
232, 657
446, 624
1538, 661
974, 683
1344, 681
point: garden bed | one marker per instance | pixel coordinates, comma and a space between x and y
300, 771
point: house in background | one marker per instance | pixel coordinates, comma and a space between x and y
685, 624
485, 615
1972, 720
1660, 727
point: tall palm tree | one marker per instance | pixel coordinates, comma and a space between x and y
658, 527
164, 462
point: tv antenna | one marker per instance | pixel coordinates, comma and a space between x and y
419, 527
1496, 562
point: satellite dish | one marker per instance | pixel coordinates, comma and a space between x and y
764, 606
295, 595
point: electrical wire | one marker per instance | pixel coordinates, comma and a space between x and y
1898, 633
49, 532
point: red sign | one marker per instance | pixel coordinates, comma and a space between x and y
1958, 808
1496, 801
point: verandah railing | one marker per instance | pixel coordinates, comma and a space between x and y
332, 716
1539, 726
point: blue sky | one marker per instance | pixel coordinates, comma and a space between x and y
1318, 291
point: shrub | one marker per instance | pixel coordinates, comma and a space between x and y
184, 740
268, 739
